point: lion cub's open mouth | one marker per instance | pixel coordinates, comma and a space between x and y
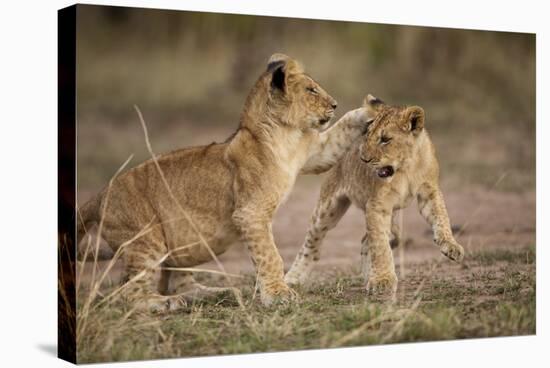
385, 172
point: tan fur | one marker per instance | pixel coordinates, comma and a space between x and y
396, 138
231, 190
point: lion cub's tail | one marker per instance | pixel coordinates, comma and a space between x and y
88, 215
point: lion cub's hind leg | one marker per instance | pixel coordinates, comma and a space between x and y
184, 285
144, 280
326, 215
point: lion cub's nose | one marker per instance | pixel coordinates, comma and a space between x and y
334, 104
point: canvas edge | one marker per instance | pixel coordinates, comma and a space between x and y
66, 185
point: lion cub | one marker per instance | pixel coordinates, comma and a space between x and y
213, 196
381, 174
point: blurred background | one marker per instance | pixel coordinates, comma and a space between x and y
190, 72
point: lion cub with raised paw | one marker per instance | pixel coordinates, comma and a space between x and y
381, 174
222, 193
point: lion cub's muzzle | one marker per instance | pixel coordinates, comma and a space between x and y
382, 172
328, 116
365, 160
329, 112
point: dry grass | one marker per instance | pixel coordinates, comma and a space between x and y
493, 296
92, 301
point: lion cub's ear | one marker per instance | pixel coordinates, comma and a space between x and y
276, 58
282, 68
373, 106
414, 119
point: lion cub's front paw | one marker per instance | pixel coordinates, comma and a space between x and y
382, 287
452, 250
278, 293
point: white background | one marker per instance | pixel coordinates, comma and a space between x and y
28, 182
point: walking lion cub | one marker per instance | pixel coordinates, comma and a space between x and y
381, 174
201, 200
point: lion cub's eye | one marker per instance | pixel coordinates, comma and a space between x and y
312, 90
384, 140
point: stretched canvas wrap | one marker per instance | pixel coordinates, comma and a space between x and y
242, 184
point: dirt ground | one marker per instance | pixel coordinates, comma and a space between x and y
484, 219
